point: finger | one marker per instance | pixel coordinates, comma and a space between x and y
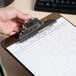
17, 26
11, 33
18, 21
22, 16
17, 29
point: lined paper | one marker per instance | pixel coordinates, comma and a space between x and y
51, 52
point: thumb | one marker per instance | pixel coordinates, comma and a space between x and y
22, 16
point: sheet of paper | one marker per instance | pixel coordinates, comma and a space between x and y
51, 52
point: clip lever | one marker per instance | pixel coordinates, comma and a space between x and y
32, 25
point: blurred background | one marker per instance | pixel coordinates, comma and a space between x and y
4, 3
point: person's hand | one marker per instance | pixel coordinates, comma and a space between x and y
11, 20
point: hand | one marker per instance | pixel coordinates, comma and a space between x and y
11, 20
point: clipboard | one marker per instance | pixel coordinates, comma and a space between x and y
14, 38
50, 19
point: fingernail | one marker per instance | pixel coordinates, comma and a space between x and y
29, 16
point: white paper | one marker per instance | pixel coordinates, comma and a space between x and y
51, 52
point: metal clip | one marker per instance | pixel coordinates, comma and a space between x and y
29, 27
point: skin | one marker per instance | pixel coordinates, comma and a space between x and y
11, 20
